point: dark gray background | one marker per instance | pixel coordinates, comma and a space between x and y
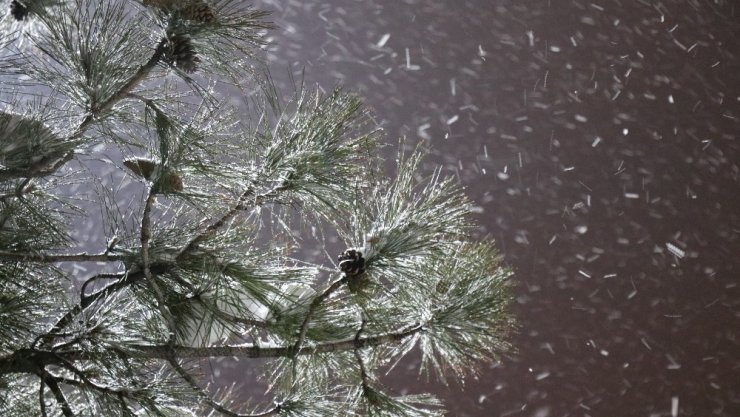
593, 137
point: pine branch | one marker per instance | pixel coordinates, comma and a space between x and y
131, 278
247, 197
360, 362
315, 303
317, 156
55, 258
240, 205
58, 394
212, 402
146, 235
256, 351
23, 188
86, 301
86, 382
138, 77
28, 360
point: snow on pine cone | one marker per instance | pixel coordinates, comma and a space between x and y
351, 262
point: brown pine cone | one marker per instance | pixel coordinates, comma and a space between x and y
198, 11
18, 10
182, 53
168, 181
194, 10
141, 167
161, 4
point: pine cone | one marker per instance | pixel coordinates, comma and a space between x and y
161, 4
141, 167
170, 181
28, 145
167, 181
351, 262
182, 53
198, 11
18, 10
193, 10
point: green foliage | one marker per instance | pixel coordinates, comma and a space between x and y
88, 51
403, 223
28, 294
376, 403
468, 304
218, 223
317, 153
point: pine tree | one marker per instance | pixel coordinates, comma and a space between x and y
212, 227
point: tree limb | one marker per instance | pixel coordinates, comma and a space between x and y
255, 351
29, 360
10, 256
210, 230
145, 237
360, 362
42, 400
315, 303
51, 382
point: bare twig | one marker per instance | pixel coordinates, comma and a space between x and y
87, 383
83, 290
